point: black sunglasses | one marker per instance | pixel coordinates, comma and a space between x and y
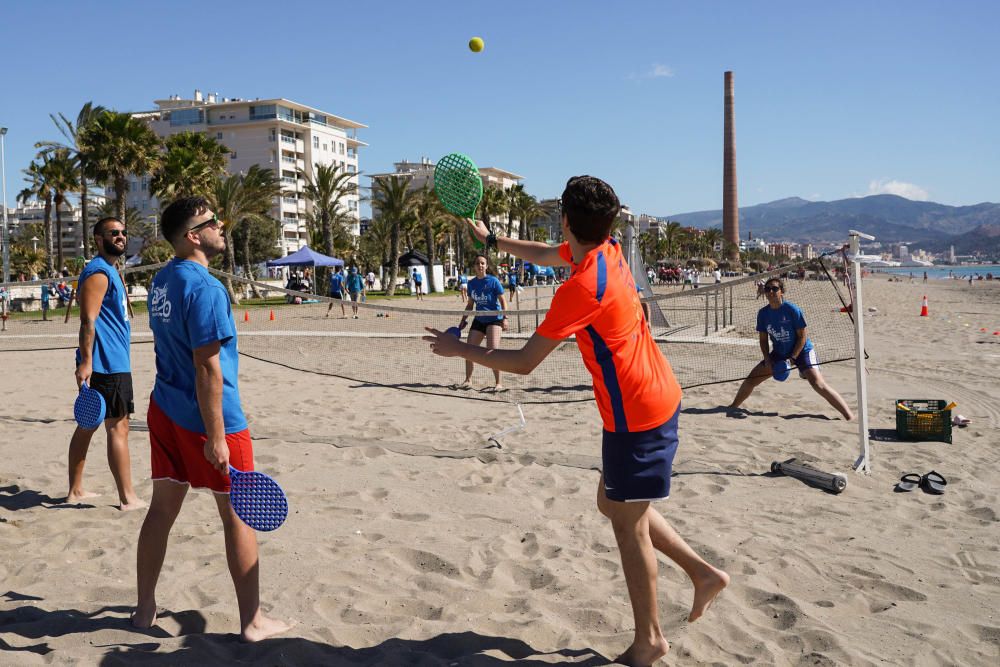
113, 233
211, 222
772, 288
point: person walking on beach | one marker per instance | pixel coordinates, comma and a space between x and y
337, 291
418, 285
637, 396
485, 293
356, 288
47, 291
781, 329
196, 424
104, 362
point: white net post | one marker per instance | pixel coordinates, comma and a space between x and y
863, 463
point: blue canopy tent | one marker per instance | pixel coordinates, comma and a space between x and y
305, 256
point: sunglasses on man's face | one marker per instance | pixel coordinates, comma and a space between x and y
211, 222
114, 233
772, 288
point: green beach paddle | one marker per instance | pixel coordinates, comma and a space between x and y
459, 186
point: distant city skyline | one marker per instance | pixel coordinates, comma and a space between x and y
831, 101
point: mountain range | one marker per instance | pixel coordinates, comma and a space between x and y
889, 218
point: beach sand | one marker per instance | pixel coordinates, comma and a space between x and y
410, 542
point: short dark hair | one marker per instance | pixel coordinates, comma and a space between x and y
779, 281
174, 220
103, 221
591, 207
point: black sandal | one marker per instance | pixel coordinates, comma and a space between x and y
933, 482
908, 482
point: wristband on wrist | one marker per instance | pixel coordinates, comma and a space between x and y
491, 240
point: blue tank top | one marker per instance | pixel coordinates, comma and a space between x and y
112, 329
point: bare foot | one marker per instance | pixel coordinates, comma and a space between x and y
263, 627
643, 655
133, 504
143, 619
706, 588
77, 497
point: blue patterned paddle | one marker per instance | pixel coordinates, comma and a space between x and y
89, 408
257, 500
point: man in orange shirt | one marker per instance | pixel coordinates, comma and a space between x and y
637, 395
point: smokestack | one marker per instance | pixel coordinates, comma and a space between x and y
730, 205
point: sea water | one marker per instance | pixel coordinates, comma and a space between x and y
938, 272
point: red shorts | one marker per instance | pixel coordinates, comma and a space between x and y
179, 454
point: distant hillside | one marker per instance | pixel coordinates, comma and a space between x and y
888, 217
983, 241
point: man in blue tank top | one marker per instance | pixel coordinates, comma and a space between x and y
104, 362
197, 428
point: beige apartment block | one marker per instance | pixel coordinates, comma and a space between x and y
422, 174
278, 134
73, 228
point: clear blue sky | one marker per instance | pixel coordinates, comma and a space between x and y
832, 100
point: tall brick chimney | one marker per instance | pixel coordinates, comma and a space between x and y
730, 205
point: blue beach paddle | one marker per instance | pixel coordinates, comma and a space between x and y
780, 370
89, 408
456, 331
257, 500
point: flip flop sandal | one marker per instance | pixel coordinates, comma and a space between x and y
908, 482
933, 482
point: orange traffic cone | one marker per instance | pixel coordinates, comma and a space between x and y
246, 315
272, 315
923, 308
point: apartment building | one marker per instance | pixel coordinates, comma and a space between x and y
278, 134
73, 227
421, 174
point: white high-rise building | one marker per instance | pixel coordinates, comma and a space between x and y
73, 228
278, 134
421, 174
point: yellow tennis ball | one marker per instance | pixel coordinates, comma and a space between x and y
476, 44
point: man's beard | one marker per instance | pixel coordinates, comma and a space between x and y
113, 250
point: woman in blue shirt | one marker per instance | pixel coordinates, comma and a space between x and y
485, 294
781, 328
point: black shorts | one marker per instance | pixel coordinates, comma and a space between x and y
116, 389
337, 295
481, 326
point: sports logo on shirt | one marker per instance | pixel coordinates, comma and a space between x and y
159, 306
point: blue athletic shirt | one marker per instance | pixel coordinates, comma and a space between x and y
189, 308
336, 283
486, 293
354, 282
112, 330
780, 324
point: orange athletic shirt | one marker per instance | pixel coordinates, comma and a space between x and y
634, 385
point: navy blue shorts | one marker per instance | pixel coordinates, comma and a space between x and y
637, 466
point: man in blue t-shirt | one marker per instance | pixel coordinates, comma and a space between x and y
337, 291
418, 285
47, 291
781, 328
197, 428
104, 362
356, 288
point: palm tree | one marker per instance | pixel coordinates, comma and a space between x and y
429, 214
119, 145
528, 211
324, 189
493, 203
62, 176
672, 234
80, 155
514, 195
192, 164
39, 188
394, 201
712, 237
240, 199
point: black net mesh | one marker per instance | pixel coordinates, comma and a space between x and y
707, 334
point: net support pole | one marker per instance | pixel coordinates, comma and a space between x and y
494, 440
863, 463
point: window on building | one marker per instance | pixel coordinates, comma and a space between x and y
232, 156
187, 117
324, 147
218, 136
352, 205
315, 142
272, 135
351, 168
341, 148
261, 111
